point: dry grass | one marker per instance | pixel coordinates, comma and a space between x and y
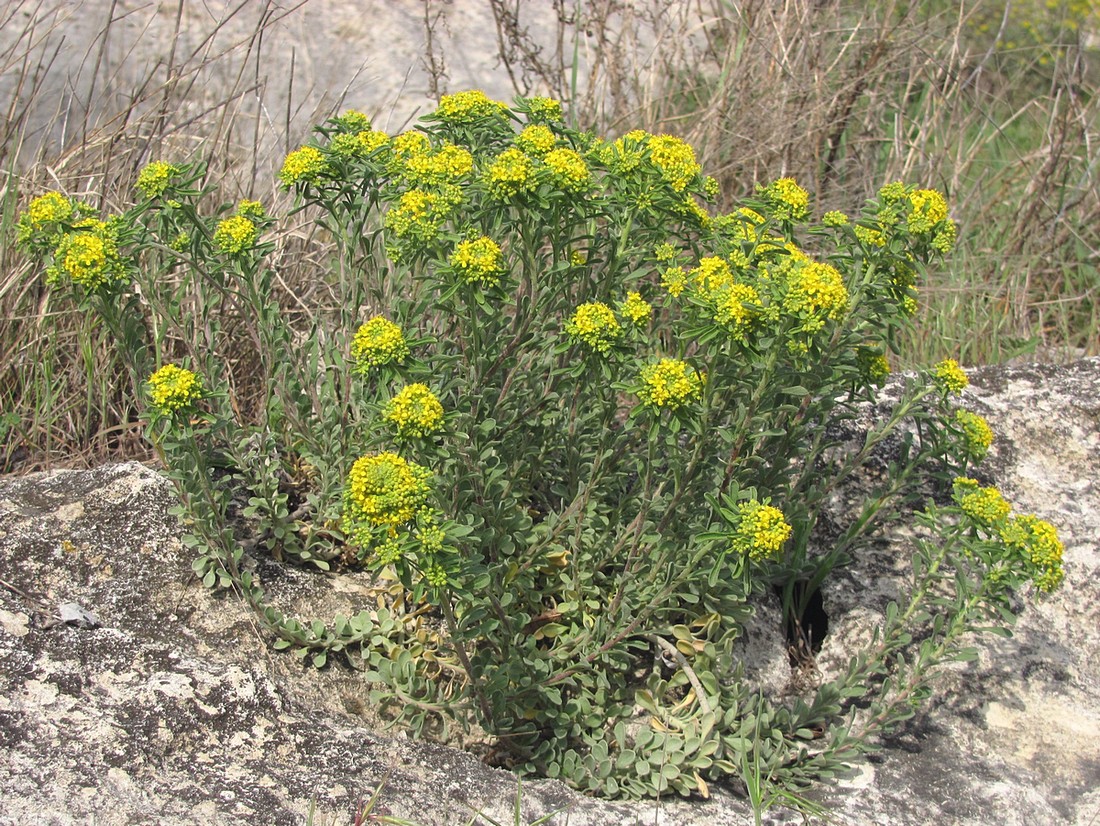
844, 97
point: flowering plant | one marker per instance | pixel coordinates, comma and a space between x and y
581, 419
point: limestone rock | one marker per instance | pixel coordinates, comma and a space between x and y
169, 706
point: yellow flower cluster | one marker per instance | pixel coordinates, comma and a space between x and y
949, 377
385, 490
976, 434
253, 210
730, 309
789, 201
1038, 541
676, 160
353, 121
636, 309
479, 261
449, 163
985, 505
595, 324
712, 275
234, 235
88, 257
833, 218
816, 289
568, 171
305, 165
155, 178
873, 365
358, 144
173, 388
544, 109
414, 412
674, 279
409, 144
377, 342
761, 531
468, 107
510, 174
41, 226
418, 214
536, 139
669, 383
870, 237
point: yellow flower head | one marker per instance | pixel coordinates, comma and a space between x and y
817, 290
669, 383
88, 257
468, 107
870, 237
449, 163
788, 200
305, 165
155, 179
479, 261
235, 235
594, 324
378, 342
675, 159
949, 377
984, 505
173, 389
418, 214
544, 109
358, 144
536, 139
352, 121
711, 276
761, 531
510, 174
385, 490
568, 171
253, 210
976, 434
730, 309
415, 412
636, 309
43, 224
1037, 540
834, 218
674, 279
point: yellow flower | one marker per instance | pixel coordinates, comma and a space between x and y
359, 144
536, 139
544, 109
378, 342
42, 225
385, 490
674, 279
636, 309
761, 531
172, 389
870, 237
816, 289
510, 174
568, 170
302, 165
252, 209
675, 159
985, 505
1038, 541
976, 434
418, 214
669, 383
712, 275
468, 107
834, 218
415, 412
595, 324
88, 257
949, 377
730, 310
156, 178
235, 235
352, 121
478, 261
788, 200
449, 163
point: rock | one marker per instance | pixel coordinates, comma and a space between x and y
175, 710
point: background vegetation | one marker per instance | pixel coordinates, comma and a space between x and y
992, 102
